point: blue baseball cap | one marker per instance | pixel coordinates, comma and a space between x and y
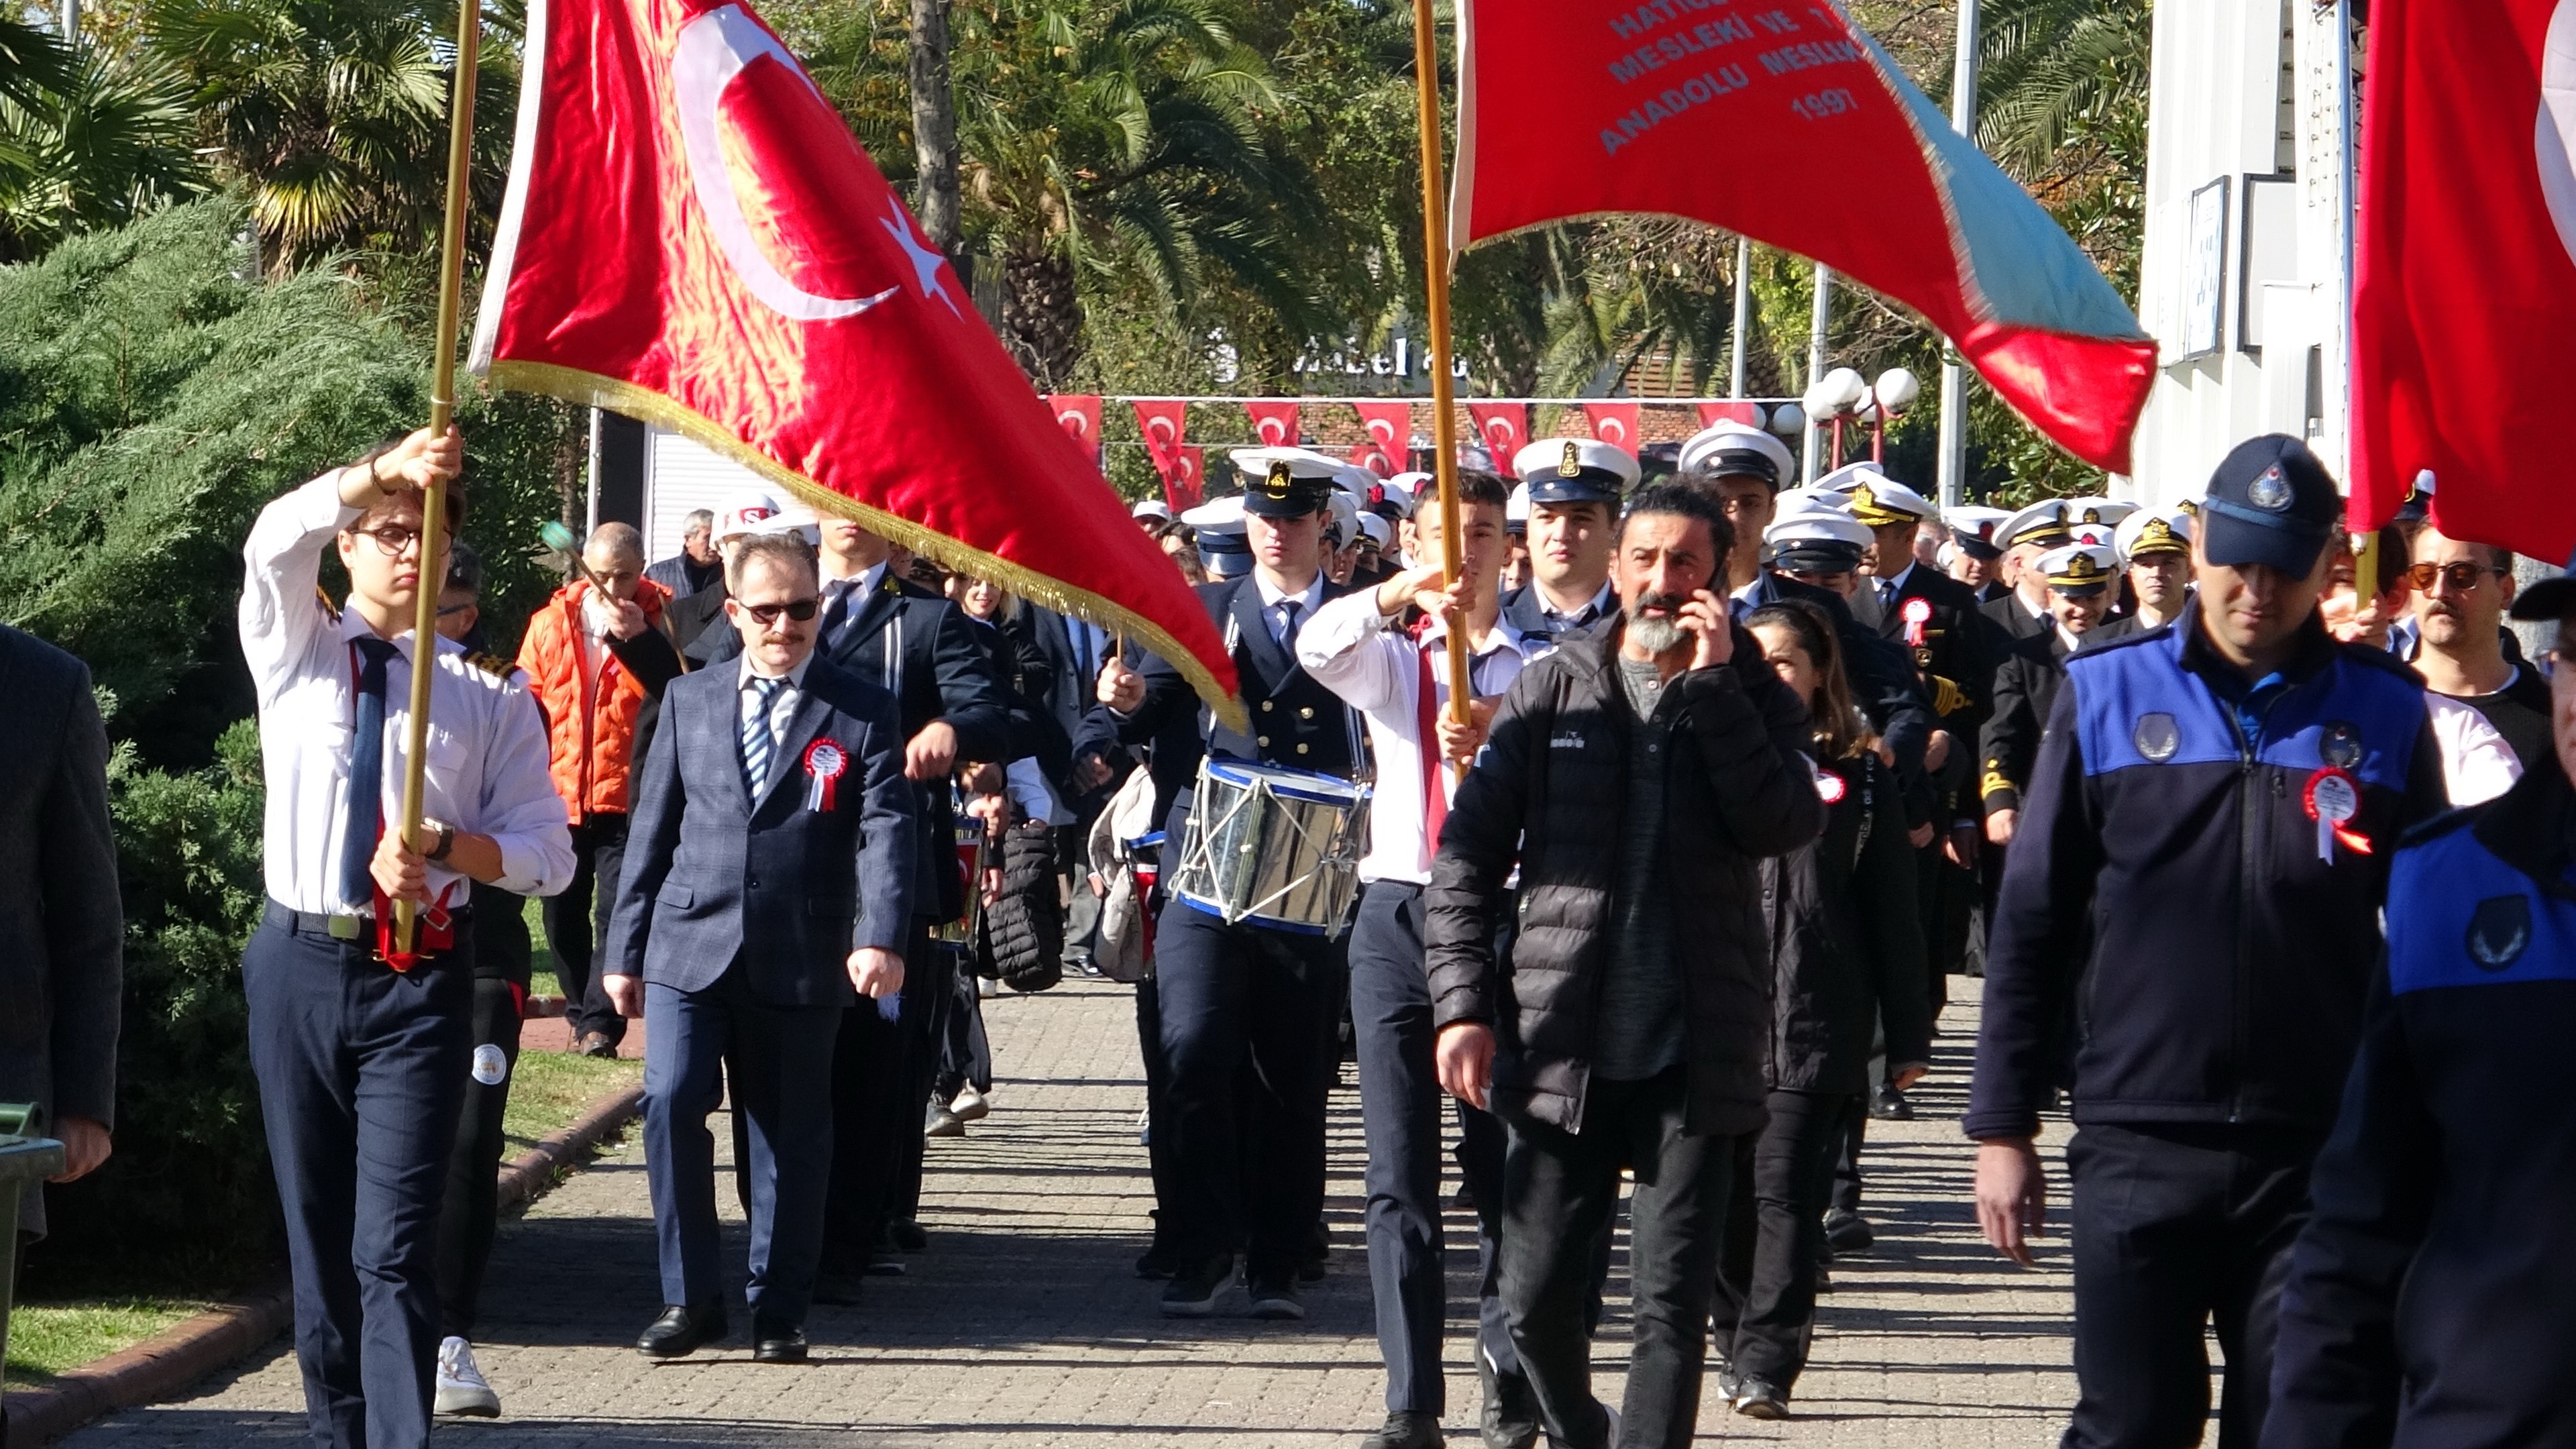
2270, 502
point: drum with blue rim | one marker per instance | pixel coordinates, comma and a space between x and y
1274, 846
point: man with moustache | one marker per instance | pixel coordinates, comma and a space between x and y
2461, 592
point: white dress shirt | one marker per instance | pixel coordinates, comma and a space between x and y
782, 708
486, 769
1272, 598
1358, 653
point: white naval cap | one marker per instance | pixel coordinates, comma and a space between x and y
1516, 510
2094, 520
2079, 568
1151, 508
1731, 450
1575, 470
1876, 499
2154, 530
1973, 526
1377, 529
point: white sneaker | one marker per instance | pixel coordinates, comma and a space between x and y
970, 1105
461, 1387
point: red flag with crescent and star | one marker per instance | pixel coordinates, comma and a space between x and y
692, 236
1274, 424
1078, 413
1503, 427
1614, 423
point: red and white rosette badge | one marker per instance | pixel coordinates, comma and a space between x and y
2333, 800
824, 762
1916, 614
1829, 787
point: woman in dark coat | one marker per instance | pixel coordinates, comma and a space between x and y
1846, 950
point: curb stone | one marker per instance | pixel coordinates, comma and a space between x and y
223, 1335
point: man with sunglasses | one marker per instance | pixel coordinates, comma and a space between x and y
363, 1059
2460, 593
768, 887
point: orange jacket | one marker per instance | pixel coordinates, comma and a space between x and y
590, 727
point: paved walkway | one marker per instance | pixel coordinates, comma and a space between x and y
1023, 1327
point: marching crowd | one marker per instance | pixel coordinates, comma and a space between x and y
1662, 913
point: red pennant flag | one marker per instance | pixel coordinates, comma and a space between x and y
1161, 421
1185, 482
1656, 108
1503, 427
1614, 423
1713, 413
1274, 424
1079, 415
691, 236
1389, 424
2465, 292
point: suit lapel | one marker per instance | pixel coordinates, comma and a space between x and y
726, 705
859, 631
802, 726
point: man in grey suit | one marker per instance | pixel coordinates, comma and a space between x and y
62, 928
768, 885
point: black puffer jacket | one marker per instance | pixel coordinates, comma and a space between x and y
1019, 938
1846, 941
1551, 792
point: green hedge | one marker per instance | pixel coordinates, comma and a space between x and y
154, 394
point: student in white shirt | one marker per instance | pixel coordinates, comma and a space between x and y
1399, 680
362, 1061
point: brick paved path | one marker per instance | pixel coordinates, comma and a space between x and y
1024, 1328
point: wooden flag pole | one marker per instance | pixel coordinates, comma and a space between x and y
442, 415
1435, 281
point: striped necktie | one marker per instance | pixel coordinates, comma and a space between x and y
758, 743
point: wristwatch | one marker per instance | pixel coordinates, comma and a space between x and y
446, 839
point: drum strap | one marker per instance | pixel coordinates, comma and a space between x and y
1435, 793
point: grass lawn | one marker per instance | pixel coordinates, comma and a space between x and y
541, 959
45, 1339
547, 1092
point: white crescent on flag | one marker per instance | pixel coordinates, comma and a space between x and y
711, 51
2554, 142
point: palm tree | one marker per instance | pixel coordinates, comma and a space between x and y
2062, 95
334, 114
112, 142
1120, 143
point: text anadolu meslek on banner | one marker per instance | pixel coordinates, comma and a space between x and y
1698, 108
692, 236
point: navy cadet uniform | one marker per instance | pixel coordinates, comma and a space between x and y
2219, 1009
920, 648
362, 1068
1245, 1152
2432, 1298
1539, 465
2043, 526
2026, 684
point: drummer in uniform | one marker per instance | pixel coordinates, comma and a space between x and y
1247, 1149
1574, 489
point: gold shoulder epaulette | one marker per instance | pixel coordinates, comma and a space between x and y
493, 664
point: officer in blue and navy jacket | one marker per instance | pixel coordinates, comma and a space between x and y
2432, 1298
2194, 883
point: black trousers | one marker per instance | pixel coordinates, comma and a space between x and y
965, 1051
1158, 1136
1401, 1106
1246, 1149
577, 920
1765, 1309
1559, 1190
466, 1216
881, 1068
2177, 1229
361, 1074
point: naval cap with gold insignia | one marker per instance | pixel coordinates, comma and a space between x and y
2093, 520
1732, 450
1972, 528
2080, 568
2042, 524
1877, 500
1285, 482
2151, 531
1575, 470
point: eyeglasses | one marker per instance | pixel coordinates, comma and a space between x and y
2462, 576
392, 539
799, 610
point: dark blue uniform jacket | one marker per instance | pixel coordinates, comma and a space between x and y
2165, 881
2432, 1299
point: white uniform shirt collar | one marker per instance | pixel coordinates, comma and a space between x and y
1305, 601
795, 677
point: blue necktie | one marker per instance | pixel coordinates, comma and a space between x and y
836, 612
366, 775
1288, 625
757, 742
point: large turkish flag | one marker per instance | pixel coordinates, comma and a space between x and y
1694, 109
692, 236
2465, 294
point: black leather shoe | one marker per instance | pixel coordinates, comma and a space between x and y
1406, 1429
907, 1235
1848, 1232
1890, 1105
1510, 1417
1761, 1399
776, 1342
680, 1332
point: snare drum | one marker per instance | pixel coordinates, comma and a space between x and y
1274, 846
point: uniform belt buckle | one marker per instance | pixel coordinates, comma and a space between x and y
346, 928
